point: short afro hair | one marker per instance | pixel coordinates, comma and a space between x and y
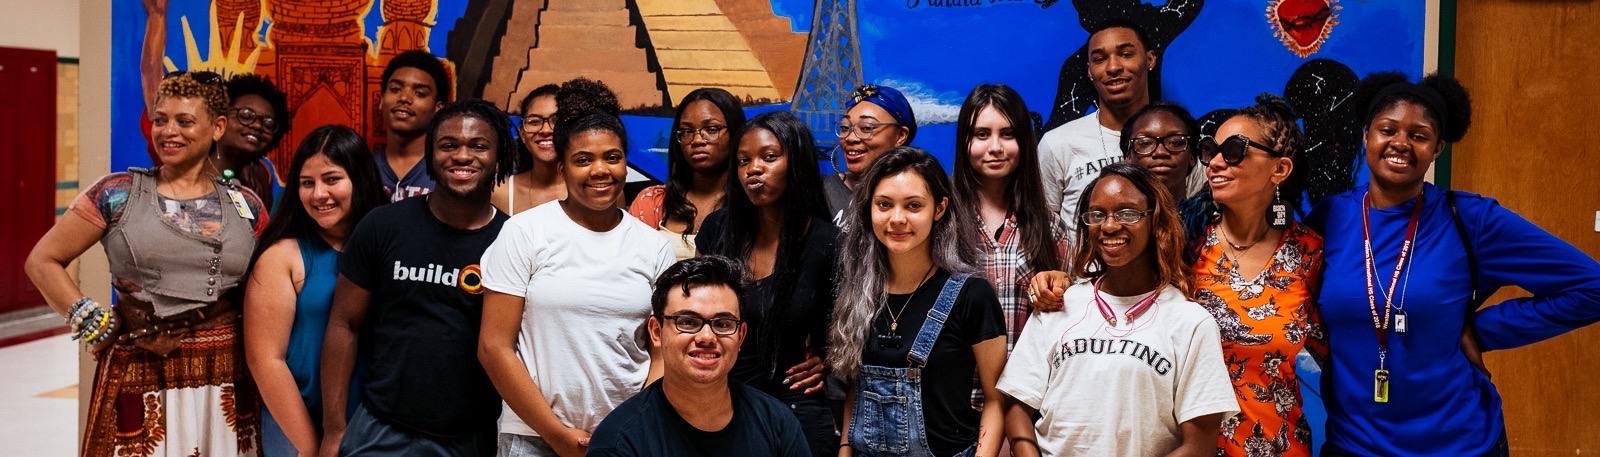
244, 84
425, 62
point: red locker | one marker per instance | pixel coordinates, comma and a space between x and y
28, 169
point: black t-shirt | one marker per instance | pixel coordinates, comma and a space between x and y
950, 421
648, 425
419, 342
808, 312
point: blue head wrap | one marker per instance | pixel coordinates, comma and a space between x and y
890, 100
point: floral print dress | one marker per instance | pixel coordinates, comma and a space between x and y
1265, 322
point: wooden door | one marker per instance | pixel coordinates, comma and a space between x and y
1530, 68
28, 173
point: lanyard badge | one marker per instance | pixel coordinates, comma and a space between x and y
1382, 318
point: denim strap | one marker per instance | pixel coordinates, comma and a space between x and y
935, 322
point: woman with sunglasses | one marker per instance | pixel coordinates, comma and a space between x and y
1257, 270
170, 377
291, 283
914, 330
1163, 138
876, 119
776, 227
537, 181
1131, 366
997, 173
569, 282
1403, 379
697, 168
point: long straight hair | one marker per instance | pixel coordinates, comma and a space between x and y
1025, 186
343, 147
680, 176
864, 263
803, 206
1166, 230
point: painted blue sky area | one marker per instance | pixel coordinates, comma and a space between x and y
936, 54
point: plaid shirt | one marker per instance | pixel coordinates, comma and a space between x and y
1005, 265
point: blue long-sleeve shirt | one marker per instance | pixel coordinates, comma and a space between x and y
1439, 404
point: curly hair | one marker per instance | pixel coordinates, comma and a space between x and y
1166, 230
702, 271
427, 63
185, 85
1451, 112
244, 84
583, 96
505, 144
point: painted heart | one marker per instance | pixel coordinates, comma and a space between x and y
1303, 25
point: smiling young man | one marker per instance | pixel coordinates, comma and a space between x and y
1120, 61
410, 283
694, 410
415, 86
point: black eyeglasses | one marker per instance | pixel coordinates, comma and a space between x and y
711, 133
534, 123
247, 116
1232, 149
1122, 216
863, 130
1175, 143
689, 323
202, 77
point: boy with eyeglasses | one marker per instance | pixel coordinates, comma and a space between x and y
695, 409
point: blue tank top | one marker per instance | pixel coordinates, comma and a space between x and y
311, 307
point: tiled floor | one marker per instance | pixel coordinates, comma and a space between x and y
39, 398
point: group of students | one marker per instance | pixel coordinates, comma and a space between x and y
1125, 284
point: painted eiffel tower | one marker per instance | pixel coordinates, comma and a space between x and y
832, 69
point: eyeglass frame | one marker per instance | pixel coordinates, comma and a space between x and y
845, 129
1209, 147
704, 322
686, 136
543, 121
1118, 215
269, 122
1161, 142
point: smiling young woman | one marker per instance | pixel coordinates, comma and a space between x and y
1131, 366
569, 287
1405, 360
909, 303
292, 279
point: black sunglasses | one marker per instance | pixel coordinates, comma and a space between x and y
202, 77
1232, 149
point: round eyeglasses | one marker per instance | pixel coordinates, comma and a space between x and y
1175, 143
711, 132
1122, 216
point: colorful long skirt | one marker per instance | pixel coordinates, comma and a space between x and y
196, 401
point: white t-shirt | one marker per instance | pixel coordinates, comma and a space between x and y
587, 298
1070, 156
1123, 390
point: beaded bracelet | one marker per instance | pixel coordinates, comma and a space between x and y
78, 312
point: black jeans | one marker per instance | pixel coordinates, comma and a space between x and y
816, 419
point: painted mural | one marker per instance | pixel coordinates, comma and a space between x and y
801, 55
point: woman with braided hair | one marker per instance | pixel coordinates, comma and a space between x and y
1405, 377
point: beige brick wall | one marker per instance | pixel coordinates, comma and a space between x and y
66, 135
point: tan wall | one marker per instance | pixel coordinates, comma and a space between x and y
51, 24
94, 135
66, 135
1529, 66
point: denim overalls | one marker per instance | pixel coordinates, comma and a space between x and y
887, 417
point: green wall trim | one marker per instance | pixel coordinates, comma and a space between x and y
1447, 66
67, 60
65, 185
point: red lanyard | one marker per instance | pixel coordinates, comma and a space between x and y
1134, 312
1380, 321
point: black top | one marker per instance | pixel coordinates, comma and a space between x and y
950, 421
648, 425
809, 309
419, 342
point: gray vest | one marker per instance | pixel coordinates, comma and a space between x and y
145, 248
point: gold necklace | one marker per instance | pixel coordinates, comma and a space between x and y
894, 319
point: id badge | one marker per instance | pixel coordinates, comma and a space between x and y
1380, 386
1399, 321
240, 205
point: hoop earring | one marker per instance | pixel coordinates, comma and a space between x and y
1278, 213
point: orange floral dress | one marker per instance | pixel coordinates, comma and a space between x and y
1265, 322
